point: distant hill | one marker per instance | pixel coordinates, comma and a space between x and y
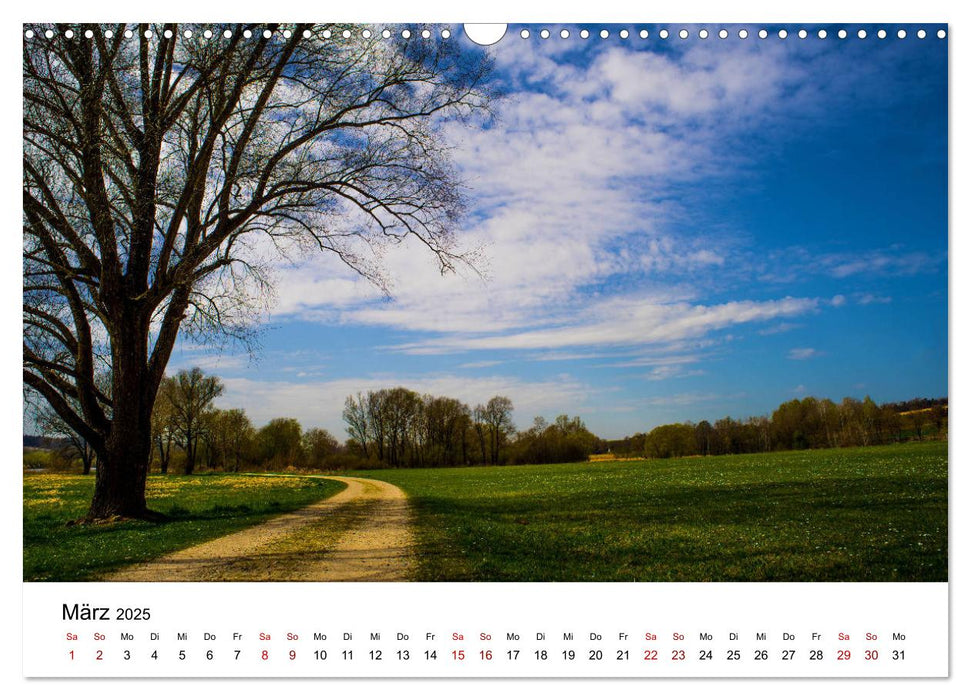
45, 443
916, 404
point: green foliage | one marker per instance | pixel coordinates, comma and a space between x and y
199, 507
859, 514
566, 440
799, 424
278, 443
36, 458
677, 440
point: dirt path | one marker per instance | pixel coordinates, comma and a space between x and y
363, 533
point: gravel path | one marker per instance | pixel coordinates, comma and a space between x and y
363, 533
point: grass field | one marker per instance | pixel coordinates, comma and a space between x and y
867, 514
200, 507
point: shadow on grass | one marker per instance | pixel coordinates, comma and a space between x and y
855, 529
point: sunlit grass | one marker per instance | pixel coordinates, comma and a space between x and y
200, 507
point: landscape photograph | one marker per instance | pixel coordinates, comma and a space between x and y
609, 303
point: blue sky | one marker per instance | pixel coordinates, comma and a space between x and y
669, 230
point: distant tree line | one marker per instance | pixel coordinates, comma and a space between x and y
188, 432
917, 404
401, 428
398, 427
808, 423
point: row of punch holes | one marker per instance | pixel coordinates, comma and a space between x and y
524, 33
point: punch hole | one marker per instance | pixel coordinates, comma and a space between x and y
485, 34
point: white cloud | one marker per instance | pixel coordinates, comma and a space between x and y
865, 299
569, 194
663, 372
624, 322
880, 263
803, 353
783, 327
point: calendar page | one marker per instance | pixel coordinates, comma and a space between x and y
609, 350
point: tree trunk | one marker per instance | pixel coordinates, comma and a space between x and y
190, 454
163, 455
86, 459
119, 489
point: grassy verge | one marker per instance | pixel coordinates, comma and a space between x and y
867, 514
201, 507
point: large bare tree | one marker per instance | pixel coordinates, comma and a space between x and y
161, 174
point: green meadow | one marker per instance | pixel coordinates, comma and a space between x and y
861, 514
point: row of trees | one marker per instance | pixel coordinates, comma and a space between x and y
398, 427
809, 423
402, 428
187, 427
